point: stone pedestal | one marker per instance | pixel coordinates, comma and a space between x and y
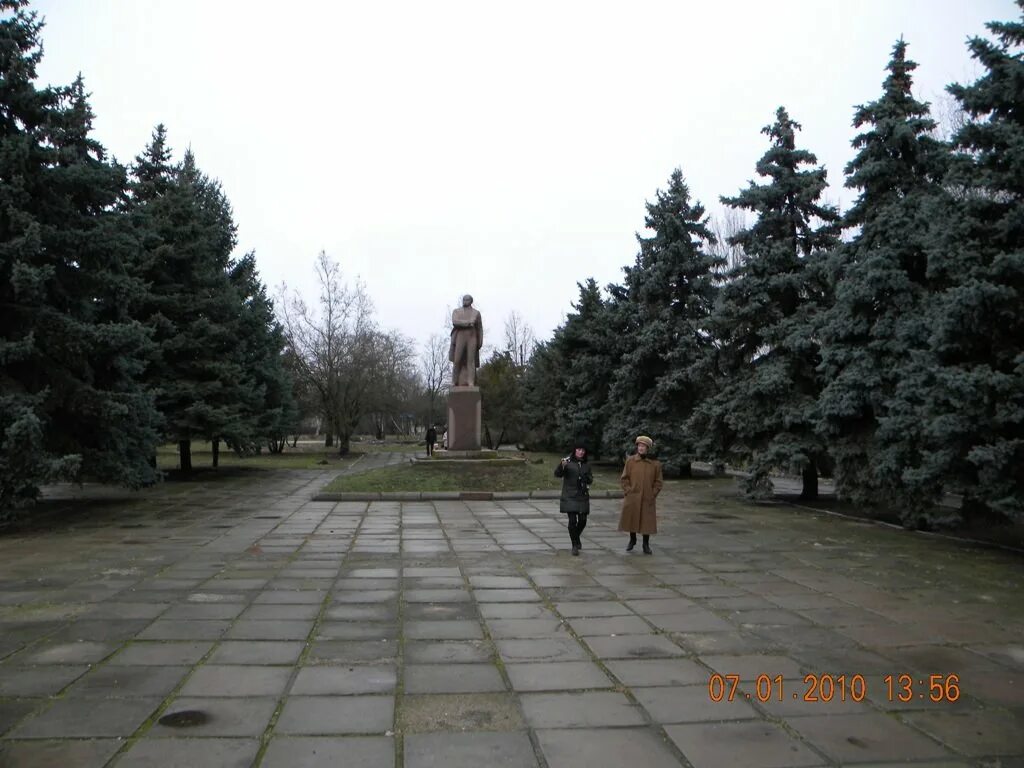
464, 419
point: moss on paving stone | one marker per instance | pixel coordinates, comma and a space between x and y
424, 713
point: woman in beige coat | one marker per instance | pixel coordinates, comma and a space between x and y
641, 482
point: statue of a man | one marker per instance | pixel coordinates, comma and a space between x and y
467, 339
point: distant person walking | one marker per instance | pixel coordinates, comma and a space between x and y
431, 439
641, 482
575, 501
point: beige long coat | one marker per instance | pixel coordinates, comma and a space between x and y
641, 482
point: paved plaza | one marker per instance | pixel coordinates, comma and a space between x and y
240, 623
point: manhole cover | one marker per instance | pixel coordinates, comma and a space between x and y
187, 718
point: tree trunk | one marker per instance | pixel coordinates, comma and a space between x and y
975, 512
185, 455
810, 489
216, 452
487, 437
295, 440
343, 444
686, 469
501, 439
329, 442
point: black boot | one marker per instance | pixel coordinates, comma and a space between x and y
576, 548
632, 542
647, 545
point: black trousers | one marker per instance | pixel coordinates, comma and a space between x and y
577, 523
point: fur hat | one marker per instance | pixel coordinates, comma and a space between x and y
645, 440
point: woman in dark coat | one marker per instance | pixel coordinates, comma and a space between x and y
575, 502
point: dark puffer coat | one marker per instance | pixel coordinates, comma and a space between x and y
576, 479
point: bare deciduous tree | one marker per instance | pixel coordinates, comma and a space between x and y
334, 345
520, 340
436, 370
729, 224
395, 381
949, 116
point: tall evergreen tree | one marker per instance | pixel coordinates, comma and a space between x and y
875, 337
669, 292
567, 380
764, 409
543, 383
260, 346
500, 381
588, 346
25, 461
101, 410
975, 411
71, 406
203, 389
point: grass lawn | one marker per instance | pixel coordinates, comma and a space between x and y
468, 477
400, 445
306, 455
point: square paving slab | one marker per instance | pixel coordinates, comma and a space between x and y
323, 752
190, 753
469, 750
754, 744
336, 715
92, 753
606, 748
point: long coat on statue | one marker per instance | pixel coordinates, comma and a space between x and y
641, 482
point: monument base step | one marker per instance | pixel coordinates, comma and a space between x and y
469, 458
483, 453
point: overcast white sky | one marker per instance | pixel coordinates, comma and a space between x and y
505, 150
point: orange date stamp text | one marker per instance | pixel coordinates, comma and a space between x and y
826, 688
